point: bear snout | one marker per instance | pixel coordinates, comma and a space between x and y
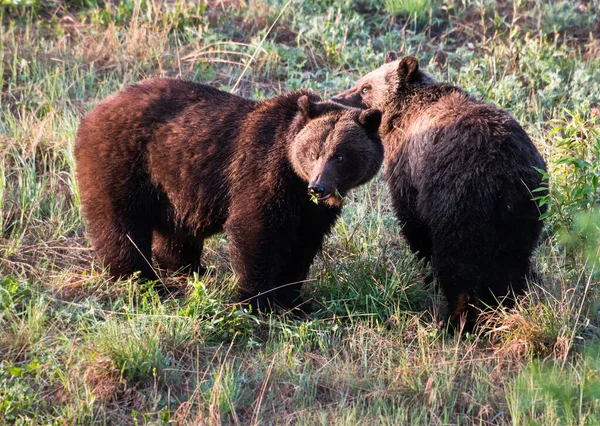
323, 182
324, 194
320, 191
316, 189
351, 97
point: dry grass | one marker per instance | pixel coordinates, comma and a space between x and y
77, 348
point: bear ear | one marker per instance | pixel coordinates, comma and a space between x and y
304, 105
370, 119
408, 68
309, 108
390, 57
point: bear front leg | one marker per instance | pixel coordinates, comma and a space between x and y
296, 265
314, 224
255, 251
293, 274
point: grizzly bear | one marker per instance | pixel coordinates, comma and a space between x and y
165, 163
461, 174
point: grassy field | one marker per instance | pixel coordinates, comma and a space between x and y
78, 349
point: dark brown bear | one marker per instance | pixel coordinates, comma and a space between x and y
461, 173
166, 163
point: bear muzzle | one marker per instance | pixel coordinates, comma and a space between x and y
320, 194
316, 189
351, 97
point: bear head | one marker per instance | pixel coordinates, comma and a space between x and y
337, 149
372, 90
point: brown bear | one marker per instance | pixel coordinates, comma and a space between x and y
165, 163
461, 174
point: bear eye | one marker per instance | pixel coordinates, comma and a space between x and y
313, 156
365, 89
339, 158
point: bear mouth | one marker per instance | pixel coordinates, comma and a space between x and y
331, 198
336, 195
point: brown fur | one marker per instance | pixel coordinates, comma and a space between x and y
461, 173
166, 163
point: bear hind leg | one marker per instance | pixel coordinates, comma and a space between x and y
511, 280
125, 246
175, 252
418, 240
461, 278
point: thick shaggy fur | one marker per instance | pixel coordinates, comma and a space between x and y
166, 163
461, 173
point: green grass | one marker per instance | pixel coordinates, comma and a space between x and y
79, 349
419, 11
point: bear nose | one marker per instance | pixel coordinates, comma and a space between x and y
316, 189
